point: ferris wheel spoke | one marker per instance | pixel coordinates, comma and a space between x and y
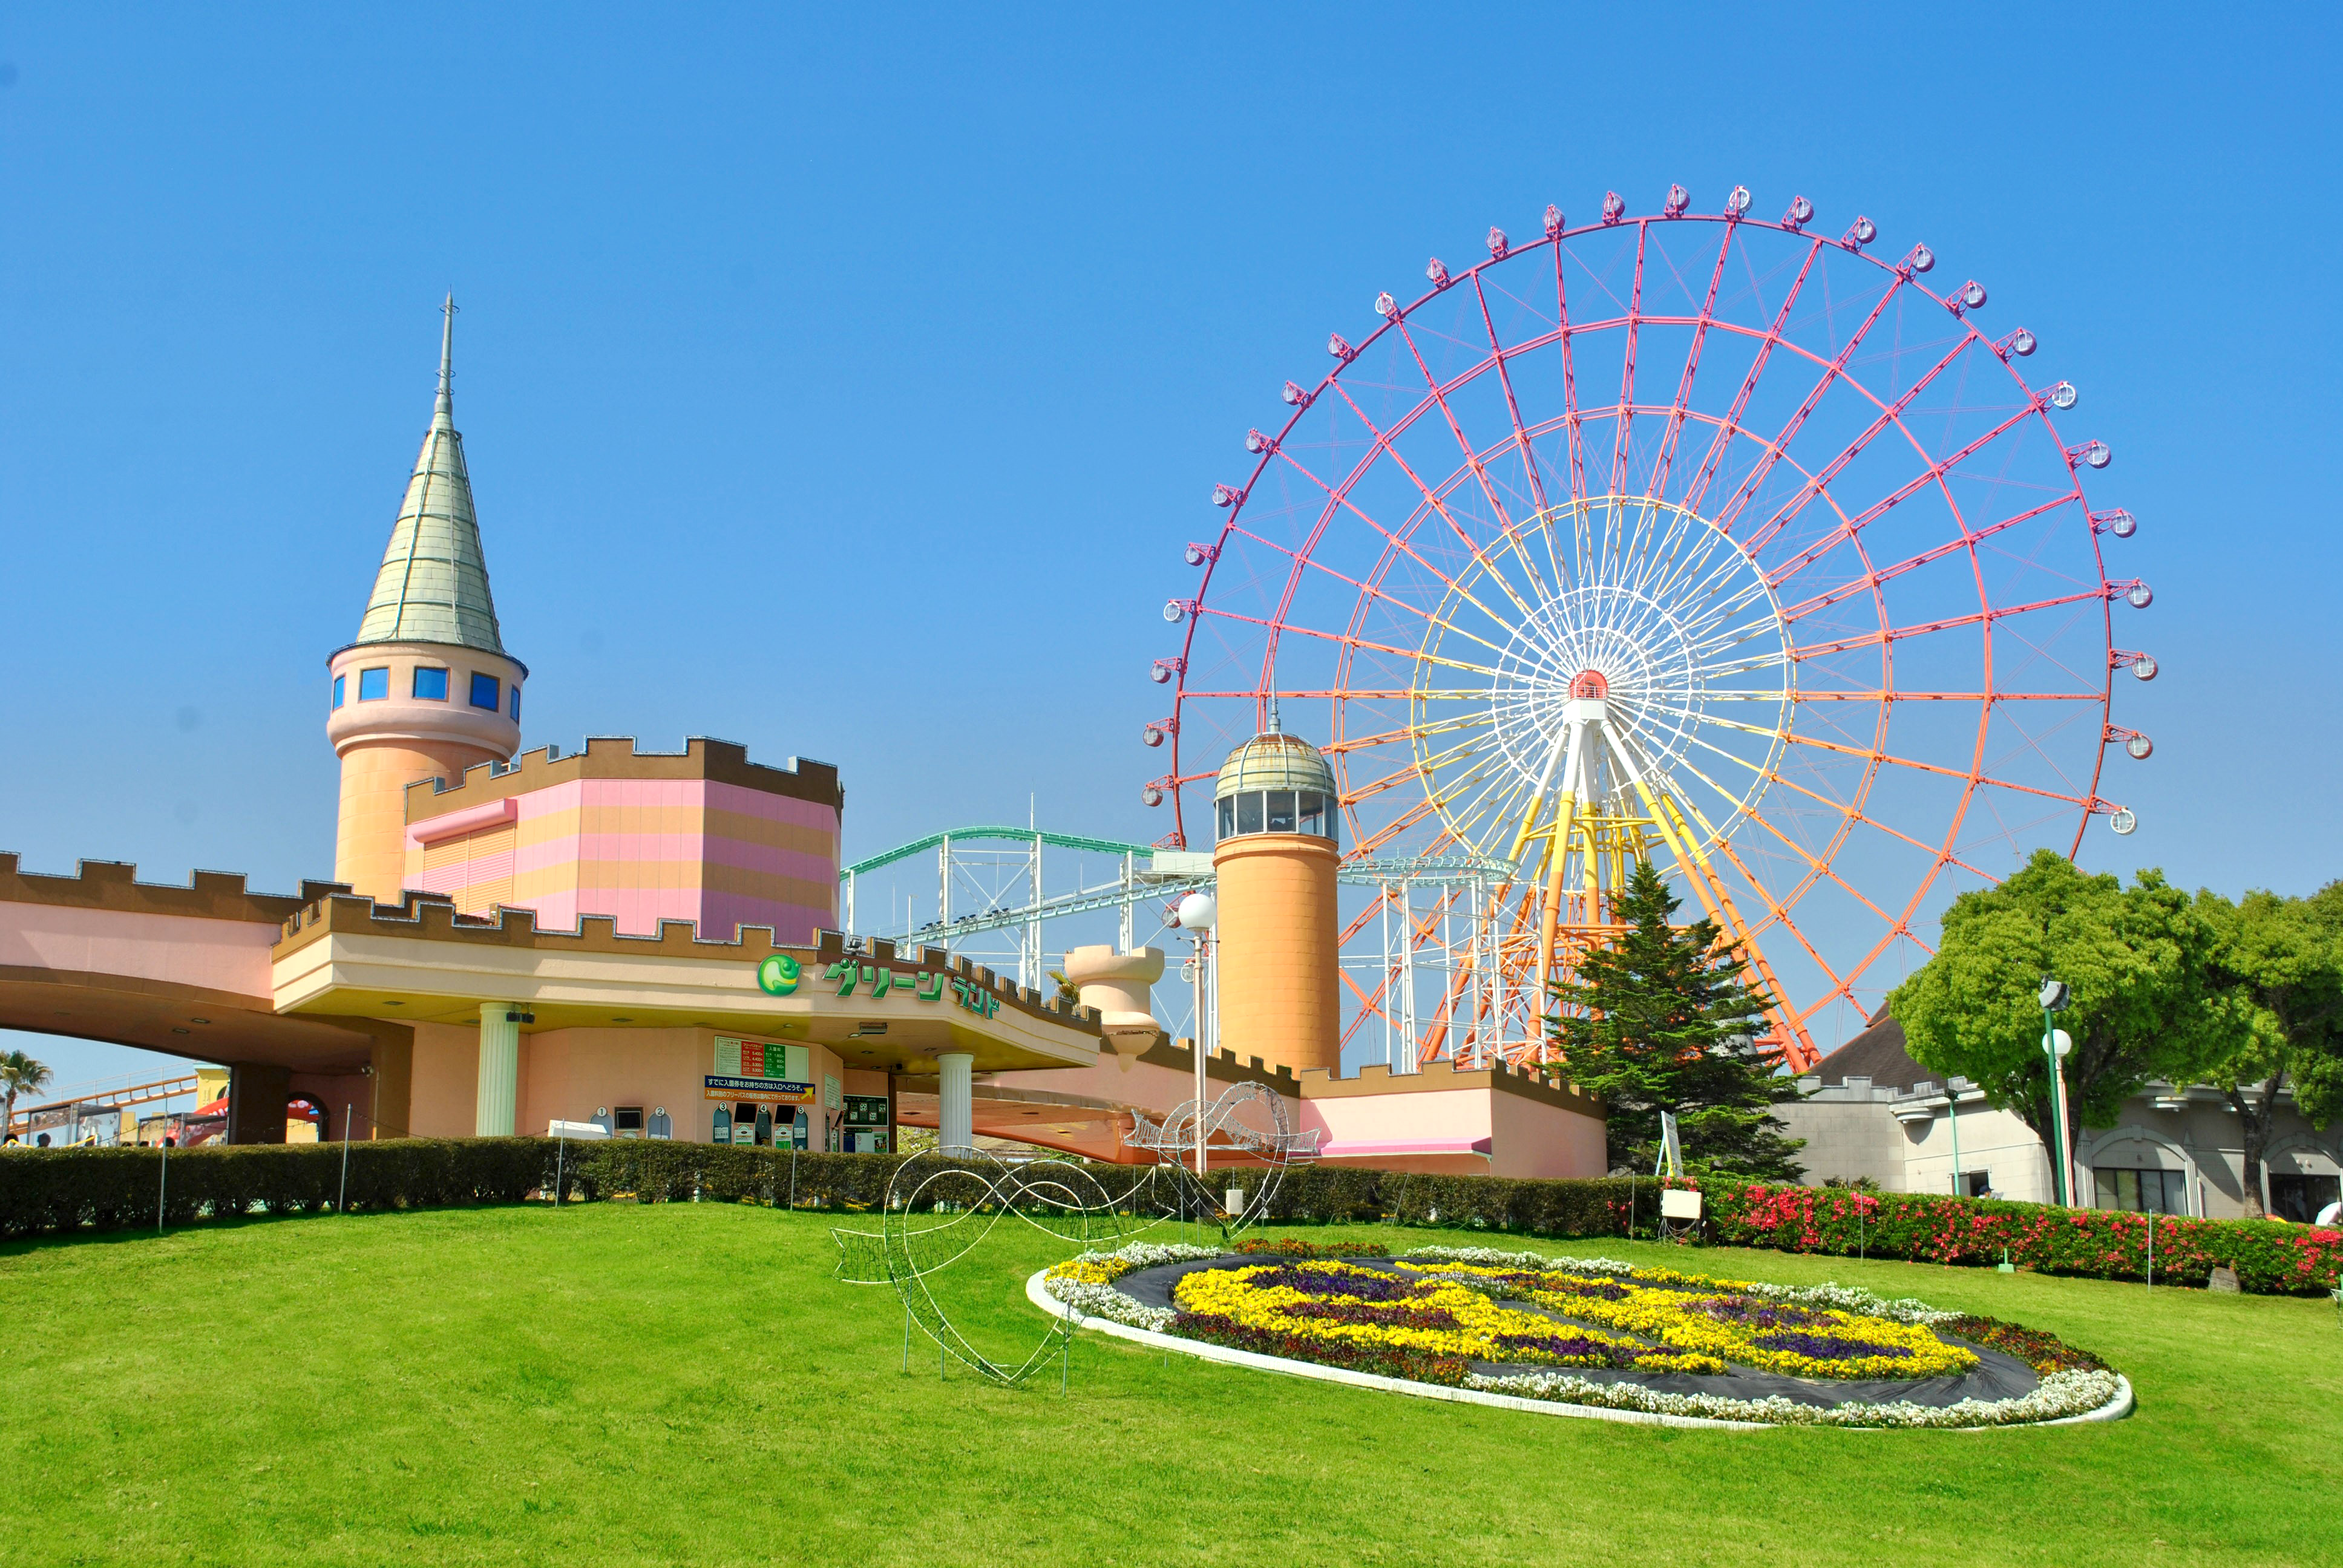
1934, 474
1778, 914
1976, 778
1818, 867
1503, 518
1369, 843
1748, 488
1666, 462
1286, 628
1719, 444
1368, 590
1627, 370
1385, 446
1569, 414
1477, 720
1889, 635
1535, 479
1771, 777
1881, 575
1341, 499
1888, 416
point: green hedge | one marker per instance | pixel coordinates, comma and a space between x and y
53, 1191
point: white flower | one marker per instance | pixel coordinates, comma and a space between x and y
2061, 1393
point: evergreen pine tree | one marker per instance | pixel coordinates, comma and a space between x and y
1663, 1017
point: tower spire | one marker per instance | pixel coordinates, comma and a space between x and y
444, 413
433, 584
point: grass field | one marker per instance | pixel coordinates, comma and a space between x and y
685, 1384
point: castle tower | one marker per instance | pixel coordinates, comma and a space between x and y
1275, 862
427, 689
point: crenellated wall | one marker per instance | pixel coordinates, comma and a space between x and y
703, 835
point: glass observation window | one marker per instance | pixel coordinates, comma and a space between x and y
1281, 810
516, 702
374, 685
1227, 818
1249, 811
487, 692
339, 681
430, 685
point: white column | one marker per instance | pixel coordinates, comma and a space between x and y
499, 1088
955, 1103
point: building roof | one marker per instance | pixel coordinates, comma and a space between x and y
1877, 1053
434, 582
1274, 760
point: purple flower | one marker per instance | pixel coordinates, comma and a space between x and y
1826, 1350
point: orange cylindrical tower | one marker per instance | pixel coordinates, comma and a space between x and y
1277, 942
427, 689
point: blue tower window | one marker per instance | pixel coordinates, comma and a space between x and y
374, 685
516, 703
430, 685
339, 681
487, 691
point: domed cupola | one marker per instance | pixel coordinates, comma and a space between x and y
1275, 783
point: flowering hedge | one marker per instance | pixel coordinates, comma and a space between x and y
2270, 1256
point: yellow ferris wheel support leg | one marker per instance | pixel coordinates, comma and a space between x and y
1557, 866
1798, 1046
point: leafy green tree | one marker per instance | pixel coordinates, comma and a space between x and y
1663, 1018
2135, 958
2276, 972
19, 1074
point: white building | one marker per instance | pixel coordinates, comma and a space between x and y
1873, 1112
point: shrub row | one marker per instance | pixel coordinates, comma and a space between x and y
47, 1191
2270, 1256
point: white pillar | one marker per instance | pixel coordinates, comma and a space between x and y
955, 1103
499, 1088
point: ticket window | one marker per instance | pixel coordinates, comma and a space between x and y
626, 1121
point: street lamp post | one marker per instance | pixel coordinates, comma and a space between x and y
2056, 997
1197, 913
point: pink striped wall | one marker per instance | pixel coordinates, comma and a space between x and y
644, 850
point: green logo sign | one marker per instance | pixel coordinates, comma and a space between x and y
778, 975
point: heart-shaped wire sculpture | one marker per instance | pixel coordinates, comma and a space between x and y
939, 1207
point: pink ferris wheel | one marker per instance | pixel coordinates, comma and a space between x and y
1740, 546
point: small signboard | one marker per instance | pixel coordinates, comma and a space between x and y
761, 1073
1678, 1203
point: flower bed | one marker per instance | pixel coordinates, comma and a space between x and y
1451, 1308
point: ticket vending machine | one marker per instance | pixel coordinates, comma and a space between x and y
721, 1128
799, 1131
865, 1130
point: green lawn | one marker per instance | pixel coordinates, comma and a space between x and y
685, 1384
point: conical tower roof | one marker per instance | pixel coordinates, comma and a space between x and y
434, 582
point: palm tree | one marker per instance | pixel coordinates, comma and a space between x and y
19, 1074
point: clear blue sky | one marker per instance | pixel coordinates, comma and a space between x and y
844, 383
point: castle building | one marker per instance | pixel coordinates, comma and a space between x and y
647, 944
